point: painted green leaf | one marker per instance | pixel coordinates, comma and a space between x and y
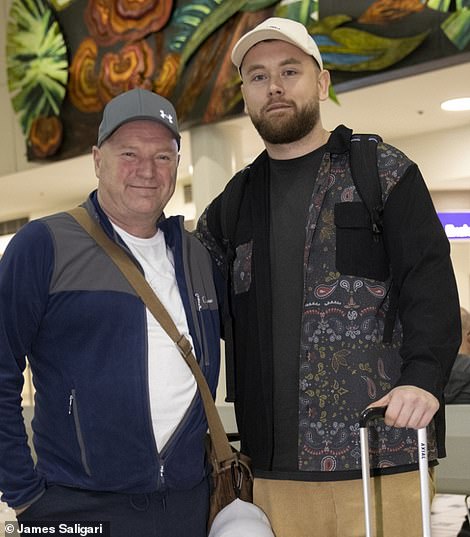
37, 65
216, 17
185, 20
332, 94
350, 49
302, 10
58, 5
457, 28
439, 5
256, 5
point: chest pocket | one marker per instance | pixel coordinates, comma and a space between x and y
359, 252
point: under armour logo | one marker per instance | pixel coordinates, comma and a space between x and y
169, 117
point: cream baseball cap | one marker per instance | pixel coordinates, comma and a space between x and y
277, 28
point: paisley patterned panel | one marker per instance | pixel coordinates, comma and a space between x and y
343, 365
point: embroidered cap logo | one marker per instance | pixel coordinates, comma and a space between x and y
164, 115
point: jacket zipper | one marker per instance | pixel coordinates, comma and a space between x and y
162, 481
180, 426
163, 453
200, 332
73, 410
158, 455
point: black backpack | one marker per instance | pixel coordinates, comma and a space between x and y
363, 160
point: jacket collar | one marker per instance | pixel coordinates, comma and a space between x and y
339, 141
94, 208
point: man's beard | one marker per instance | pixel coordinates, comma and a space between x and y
285, 130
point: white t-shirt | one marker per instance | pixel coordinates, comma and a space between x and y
172, 386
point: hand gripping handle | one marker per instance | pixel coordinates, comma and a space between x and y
368, 415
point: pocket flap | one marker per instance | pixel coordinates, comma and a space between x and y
352, 214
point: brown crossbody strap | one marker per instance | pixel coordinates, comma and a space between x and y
150, 299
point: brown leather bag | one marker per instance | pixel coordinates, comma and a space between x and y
231, 474
231, 479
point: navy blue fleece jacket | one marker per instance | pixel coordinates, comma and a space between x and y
66, 306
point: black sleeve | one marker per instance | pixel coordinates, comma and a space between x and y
428, 305
216, 228
209, 232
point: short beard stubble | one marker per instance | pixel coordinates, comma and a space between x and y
290, 129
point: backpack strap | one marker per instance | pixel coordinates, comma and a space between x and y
230, 209
363, 159
365, 175
230, 206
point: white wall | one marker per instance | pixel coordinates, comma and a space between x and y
443, 157
460, 252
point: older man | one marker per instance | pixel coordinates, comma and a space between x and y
118, 425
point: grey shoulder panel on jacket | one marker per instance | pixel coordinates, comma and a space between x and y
80, 264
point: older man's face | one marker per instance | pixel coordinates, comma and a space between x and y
136, 168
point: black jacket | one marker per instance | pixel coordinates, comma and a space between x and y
420, 354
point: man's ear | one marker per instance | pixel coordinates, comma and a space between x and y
245, 108
96, 153
323, 84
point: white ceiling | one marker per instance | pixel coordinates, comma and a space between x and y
397, 109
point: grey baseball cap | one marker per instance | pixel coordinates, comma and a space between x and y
137, 104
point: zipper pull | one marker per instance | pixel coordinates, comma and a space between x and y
162, 481
70, 404
162, 474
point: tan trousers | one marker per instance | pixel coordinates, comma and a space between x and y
336, 509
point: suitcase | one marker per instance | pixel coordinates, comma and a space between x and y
368, 415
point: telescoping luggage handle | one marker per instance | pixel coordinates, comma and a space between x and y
368, 415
